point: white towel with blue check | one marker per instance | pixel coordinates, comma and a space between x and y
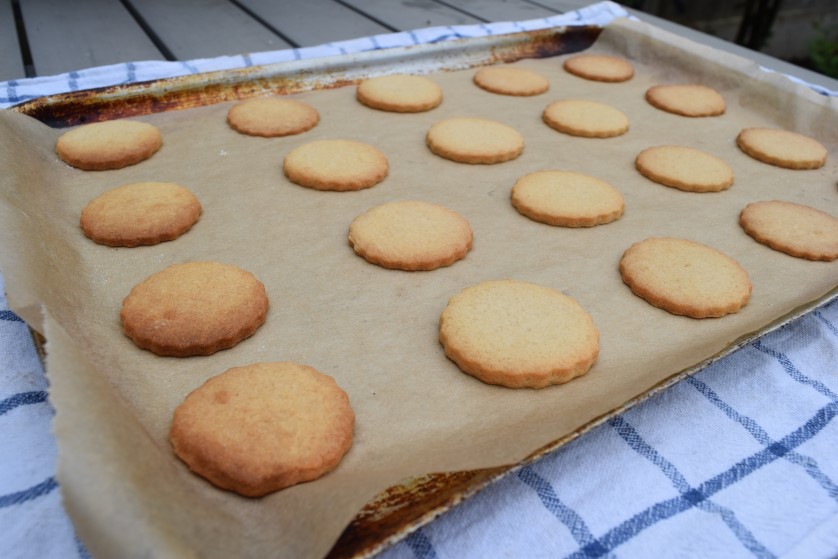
740, 460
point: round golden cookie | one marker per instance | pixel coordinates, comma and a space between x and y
399, 93
410, 235
112, 144
475, 141
263, 427
271, 117
782, 148
685, 277
137, 214
336, 165
684, 168
589, 119
794, 229
567, 199
507, 80
686, 100
196, 308
601, 68
518, 334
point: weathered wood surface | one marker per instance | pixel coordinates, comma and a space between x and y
11, 64
63, 36
188, 29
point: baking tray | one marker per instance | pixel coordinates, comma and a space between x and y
402, 508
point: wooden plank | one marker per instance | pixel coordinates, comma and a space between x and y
503, 10
313, 22
205, 28
412, 14
11, 61
562, 6
66, 36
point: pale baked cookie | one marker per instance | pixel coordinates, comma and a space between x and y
567, 199
508, 80
791, 228
410, 235
272, 116
196, 308
685, 169
137, 214
475, 140
686, 100
263, 427
601, 68
112, 144
399, 93
336, 165
518, 334
782, 148
685, 277
590, 119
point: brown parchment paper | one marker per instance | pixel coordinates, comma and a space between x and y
375, 330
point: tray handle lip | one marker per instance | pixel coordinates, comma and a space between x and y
294, 76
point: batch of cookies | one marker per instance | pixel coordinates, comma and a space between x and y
546, 337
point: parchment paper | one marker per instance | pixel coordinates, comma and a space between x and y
375, 330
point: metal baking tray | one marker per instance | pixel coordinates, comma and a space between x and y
403, 508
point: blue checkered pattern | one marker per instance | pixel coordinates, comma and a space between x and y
33, 522
740, 460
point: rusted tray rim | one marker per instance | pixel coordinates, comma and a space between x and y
295, 76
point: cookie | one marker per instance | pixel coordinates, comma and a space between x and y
685, 278
112, 144
475, 141
271, 117
684, 168
263, 427
794, 229
518, 334
336, 165
589, 119
410, 235
686, 100
137, 214
566, 199
508, 80
782, 148
399, 93
601, 68
196, 308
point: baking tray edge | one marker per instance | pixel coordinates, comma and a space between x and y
284, 78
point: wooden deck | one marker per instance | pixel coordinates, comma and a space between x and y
46, 37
